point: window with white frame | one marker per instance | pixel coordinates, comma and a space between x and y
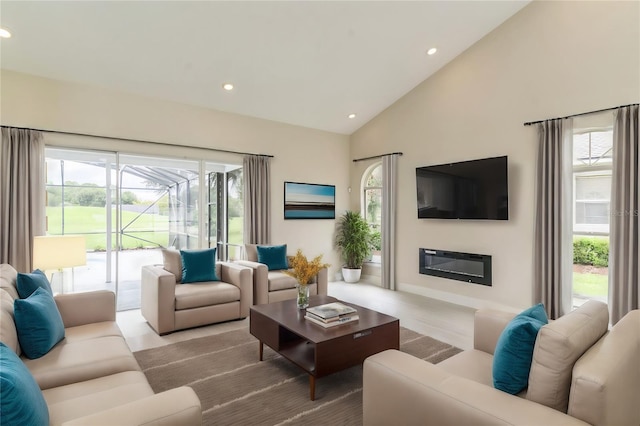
372, 204
592, 181
592, 165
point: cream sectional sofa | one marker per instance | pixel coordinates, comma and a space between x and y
581, 373
91, 377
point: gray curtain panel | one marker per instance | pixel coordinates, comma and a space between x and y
389, 196
257, 199
22, 196
624, 294
553, 247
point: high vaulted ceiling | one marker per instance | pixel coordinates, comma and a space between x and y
305, 63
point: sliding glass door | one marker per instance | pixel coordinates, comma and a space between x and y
80, 200
128, 207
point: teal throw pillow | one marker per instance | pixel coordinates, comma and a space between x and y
28, 283
38, 323
537, 312
21, 400
514, 350
275, 257
198, 265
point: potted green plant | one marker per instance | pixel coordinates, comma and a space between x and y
353, 241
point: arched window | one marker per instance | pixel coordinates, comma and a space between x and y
372, 202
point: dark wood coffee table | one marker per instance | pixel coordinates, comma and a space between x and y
317, 350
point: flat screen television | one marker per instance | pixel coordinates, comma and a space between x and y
476, 189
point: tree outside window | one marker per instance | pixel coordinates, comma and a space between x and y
373, 204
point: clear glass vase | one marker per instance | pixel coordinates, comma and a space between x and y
303, 296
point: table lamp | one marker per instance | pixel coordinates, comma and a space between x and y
59, 251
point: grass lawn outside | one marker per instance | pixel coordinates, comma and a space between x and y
590, 284
92, 223
235, 230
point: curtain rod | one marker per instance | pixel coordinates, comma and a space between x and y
376, 156
578, 115
137, 140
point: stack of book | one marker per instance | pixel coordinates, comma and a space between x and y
331, 314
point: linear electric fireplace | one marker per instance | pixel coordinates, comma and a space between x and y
472, 268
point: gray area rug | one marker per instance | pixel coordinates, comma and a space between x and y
237, 389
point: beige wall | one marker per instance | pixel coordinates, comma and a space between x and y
300, 154
551, 59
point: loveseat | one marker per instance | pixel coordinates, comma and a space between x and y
581, 373
90, 377
272, 284
169, 304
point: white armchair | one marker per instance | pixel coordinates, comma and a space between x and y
275, 286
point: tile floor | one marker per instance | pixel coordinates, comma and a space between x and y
450, 323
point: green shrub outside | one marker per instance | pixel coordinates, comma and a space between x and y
376, 240
591, 251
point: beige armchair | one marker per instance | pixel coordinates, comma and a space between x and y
580, 374
168, 305
275, 286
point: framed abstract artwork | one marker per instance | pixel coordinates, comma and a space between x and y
309, 201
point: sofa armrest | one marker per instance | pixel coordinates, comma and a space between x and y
322, 281
260, 281
86, 307
179, 406
487, 327
403, 390
604, 382
241, 277
158, 298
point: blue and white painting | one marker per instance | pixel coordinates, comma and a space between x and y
309, 201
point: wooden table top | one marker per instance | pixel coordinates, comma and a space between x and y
287, 314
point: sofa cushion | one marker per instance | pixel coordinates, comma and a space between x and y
251, 252
280, 281
8, 332
38, 323
189, 296
72, 362
21, 400
28, 283
558, 346
77, 400
91, 331
8, 277
471, 364
173, 263
275, 257
198, 265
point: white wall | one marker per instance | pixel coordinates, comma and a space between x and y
300, 154
552, 59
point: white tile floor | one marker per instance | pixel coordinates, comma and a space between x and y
450, 323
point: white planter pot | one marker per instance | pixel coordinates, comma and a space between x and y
351, 275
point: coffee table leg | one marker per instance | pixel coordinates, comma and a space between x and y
312, 387
260, 351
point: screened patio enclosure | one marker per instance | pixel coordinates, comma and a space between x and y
129, 207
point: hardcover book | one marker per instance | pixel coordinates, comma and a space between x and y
331, 310
340, 321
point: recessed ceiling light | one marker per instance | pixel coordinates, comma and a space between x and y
432, 51
4, 33
227, 86
351, 115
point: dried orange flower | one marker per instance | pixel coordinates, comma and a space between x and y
303, 270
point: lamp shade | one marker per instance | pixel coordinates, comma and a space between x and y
59, 251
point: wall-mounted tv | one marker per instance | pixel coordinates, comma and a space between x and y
476, 189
